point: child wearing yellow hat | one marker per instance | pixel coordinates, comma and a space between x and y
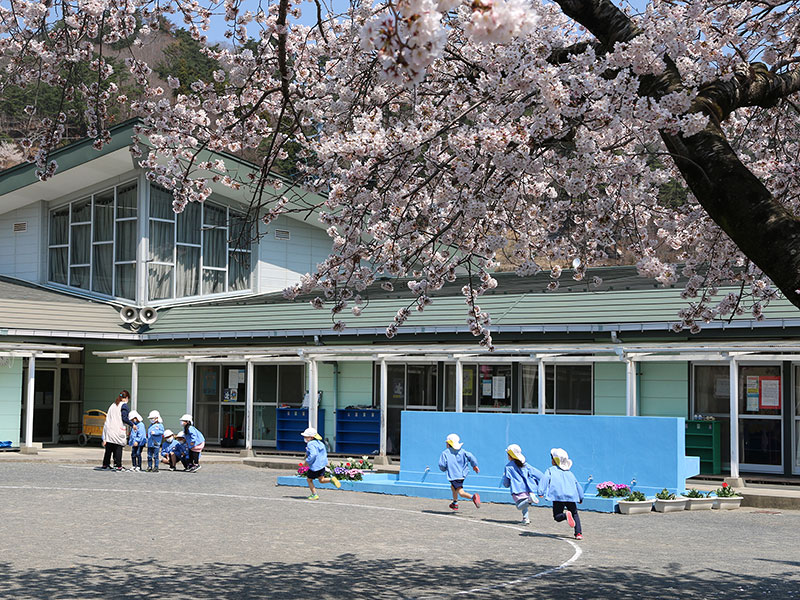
522, 479
316, 461
456, 462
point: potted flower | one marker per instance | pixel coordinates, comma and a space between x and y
697, 500
666, 501
634, 503
609, 489
727, 498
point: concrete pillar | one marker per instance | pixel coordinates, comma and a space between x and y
734, 399
384, 405
29, 402
542, 388
459, 386
631, 404
189, 386
134, 385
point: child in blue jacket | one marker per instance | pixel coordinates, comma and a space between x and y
316, 461
455, 461
137, 440
155, 435
561, 487
180, 452
523, 480
167, 449
194, 440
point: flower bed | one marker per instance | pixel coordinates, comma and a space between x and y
609, 489
350, 470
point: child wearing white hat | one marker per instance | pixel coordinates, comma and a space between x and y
155, 435
194, 440
561, 487
455, 461
137, 440
316, 461
167, 454
522, 479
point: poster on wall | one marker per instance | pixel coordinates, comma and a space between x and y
498, 387
770, 394
210, 383
486, 387
752, 392
722, 387
230, 395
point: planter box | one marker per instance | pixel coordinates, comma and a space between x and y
627, 507
664, 506
727, 503
699, 503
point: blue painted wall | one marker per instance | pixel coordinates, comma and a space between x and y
650, 450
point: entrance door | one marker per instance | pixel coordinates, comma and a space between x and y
44, 389
760, 418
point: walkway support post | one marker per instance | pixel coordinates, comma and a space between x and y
29, 402
542, 389
248, 420
734, 479
384, 404
630, 387
459, 386
134, 385
189, 386
313, 400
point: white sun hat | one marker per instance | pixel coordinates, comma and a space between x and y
514, 451
454, 441
135, 415
187, 417
180, 435
561, 459
154, 414
312, 433
168, 433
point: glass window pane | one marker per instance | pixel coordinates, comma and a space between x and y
214, 248
57, 266
80, 245
79, 277
240, 232
189, 224
291, 384
126, 240
206, 383
161, 203
207, 417
188, 271
104, 217
530, 387
59, 226
239, 271
71, 385
574, 389
264, 423
82, 211
159, 281
126, 281
103, 268
162, 241
126, 201
470, 393
797, 396
215, 215
712, 390
213, 281
757, 388
266, 383
760, 441
421, 385
495, 386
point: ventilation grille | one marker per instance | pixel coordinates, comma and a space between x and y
283, 234
20, 227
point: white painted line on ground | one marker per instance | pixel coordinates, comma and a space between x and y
575, 556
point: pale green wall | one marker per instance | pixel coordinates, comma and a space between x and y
162, 386
664, 389
355, 387
10, 401
609, 388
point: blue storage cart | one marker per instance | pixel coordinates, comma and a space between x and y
290, 423
358, 430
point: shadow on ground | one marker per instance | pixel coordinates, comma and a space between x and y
349, 577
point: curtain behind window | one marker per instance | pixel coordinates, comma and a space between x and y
103, 266
58, 265
188, 270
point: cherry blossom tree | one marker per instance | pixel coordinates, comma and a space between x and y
445, 134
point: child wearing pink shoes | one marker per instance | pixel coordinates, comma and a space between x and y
522, 479
560, 487
455, 461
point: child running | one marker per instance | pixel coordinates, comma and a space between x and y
456, 462
523, 480
561, 487
194, 440
316, 461
137, 440
155, 434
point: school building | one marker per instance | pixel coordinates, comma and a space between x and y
104, 288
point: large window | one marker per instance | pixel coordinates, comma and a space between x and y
568, 389
92, 243
203, 250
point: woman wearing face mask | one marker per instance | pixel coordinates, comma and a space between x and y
115, 435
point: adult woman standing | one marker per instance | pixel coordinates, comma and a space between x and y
115, 435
